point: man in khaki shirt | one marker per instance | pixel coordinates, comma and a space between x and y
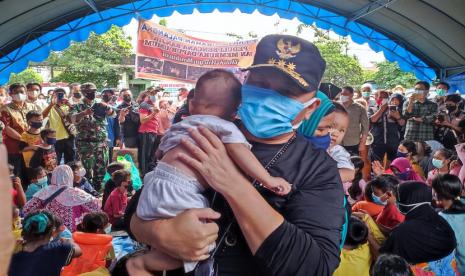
357, 132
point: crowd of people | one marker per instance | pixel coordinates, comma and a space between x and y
265, 177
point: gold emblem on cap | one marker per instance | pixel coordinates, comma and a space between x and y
286, 50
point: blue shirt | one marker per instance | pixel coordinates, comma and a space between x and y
457, 222
111, 130
48, 259
86, 186
32, 189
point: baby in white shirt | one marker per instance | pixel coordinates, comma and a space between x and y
174, 187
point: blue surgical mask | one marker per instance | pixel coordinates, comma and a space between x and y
153, 98
377, 199
42, 181
401, 154
441, 92
320, 142
266, 113
437, 163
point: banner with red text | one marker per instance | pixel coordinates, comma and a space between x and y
166, 54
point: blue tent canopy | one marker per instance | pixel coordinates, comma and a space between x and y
35, 43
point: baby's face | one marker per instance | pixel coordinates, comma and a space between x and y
325, 125
340, 125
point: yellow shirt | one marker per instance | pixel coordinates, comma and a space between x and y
57, 124
31, 139
355, 262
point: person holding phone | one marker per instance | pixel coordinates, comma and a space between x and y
451, 123
420, 114
387, 124
91, 139
58, 114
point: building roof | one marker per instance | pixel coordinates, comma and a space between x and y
426, 37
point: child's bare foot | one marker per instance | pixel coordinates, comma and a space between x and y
278, 185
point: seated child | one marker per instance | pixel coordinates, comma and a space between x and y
356, 188
390, 264
355, 255
80, 181
39, 256
95, 243
45, 155
60, 230
216, 99
39, 180
30, 139
110, 184
116, 204
335, 150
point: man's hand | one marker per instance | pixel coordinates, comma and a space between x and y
377, 168
17, 183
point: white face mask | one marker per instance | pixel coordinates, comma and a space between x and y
344, 99
19, 97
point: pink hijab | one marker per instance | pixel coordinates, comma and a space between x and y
407, 173
70, 197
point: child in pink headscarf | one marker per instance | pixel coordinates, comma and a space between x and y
402, 168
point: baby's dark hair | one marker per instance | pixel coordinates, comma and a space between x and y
339, 108
391, 265
38, 225
46, 132
218, 88
92, 222
357, 232
32, 114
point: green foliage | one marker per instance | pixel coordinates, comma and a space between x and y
163, 22
341, 69
28, 75
389, 75
97, 60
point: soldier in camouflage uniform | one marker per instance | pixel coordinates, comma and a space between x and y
91, 139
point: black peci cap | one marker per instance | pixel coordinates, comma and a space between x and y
294, 56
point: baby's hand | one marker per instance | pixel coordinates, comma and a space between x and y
278, 185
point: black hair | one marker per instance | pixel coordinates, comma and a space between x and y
59, 90
455, 98
391, 265
190, 95
112, 91
31, 230
57, 221
74, 165
368, 192
424, 83
410, 146
443, 83
35, 172
348, 88
449, 187
446, 153
385, 182
15, 86
339, 108
44, 133
114, 166
119, 176
31, 84
357, 232
92, 222
355, 190
32, 114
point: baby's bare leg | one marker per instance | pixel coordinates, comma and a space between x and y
250, 165
150, 262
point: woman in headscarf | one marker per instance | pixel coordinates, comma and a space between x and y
68, 203
424, 239
402, 168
